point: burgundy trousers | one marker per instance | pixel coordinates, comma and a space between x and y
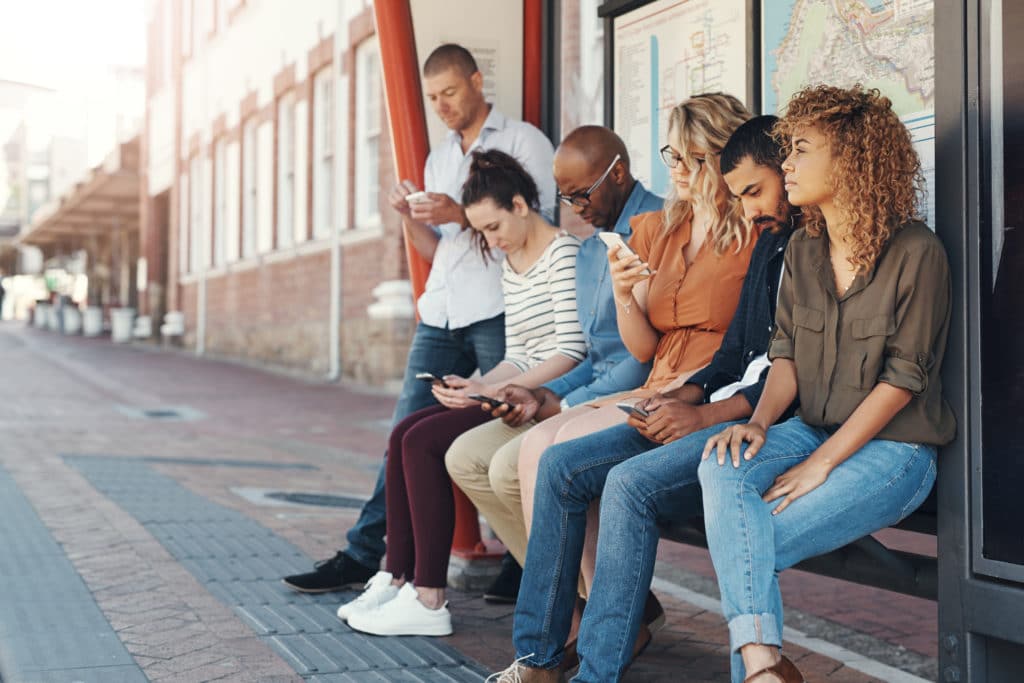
418, 492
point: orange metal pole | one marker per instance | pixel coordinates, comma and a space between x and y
404, 99
532, 54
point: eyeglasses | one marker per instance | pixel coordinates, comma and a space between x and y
671, 159
582, 199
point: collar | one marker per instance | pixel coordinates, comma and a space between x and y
495, 121
630, 208
823, 265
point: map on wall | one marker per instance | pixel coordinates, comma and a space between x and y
884, 44
665, 52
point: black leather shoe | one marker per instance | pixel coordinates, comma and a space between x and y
340, 572
505, 588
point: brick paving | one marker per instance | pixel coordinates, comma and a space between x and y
76, 396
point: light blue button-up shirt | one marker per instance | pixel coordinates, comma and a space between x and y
462, 288
608, 368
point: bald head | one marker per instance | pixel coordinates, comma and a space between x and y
594, 145
585, 158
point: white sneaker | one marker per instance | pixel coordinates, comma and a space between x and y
377, 592
404, 615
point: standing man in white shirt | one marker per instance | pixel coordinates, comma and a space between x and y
462, 322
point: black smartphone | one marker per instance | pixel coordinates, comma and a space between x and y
632, 409
492, 402
428, 377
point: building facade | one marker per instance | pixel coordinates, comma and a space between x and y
266, 163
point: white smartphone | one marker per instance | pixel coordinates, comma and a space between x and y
418, 198
614, 239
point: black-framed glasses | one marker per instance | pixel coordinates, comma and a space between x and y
671, 159
582, 199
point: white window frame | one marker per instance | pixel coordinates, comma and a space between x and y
183, 223
323, 153
195, 223
250, 185
369, 101
285, 171
220, 201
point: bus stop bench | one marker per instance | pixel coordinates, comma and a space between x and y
866, 561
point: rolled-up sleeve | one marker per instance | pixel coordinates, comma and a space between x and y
781, 345
922, 317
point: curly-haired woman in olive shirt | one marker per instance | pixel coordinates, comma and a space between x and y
862, 320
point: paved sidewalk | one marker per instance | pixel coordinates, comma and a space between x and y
162, 523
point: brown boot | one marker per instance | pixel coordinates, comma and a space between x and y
784, 670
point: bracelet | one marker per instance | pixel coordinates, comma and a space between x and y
626, 306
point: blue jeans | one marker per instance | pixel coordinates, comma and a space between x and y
441, 352
570, 476
657, 487
874, 488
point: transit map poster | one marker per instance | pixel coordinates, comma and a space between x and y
665, 52
884, 44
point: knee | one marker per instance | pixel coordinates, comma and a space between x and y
534, 444
457, 459
715, 478
553, 466
503, 479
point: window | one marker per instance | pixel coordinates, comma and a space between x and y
323, 153
367, 137
285, 170
195, 237
220, 203
249, 185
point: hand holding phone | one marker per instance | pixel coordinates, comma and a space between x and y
418, 198
614, 239
494, 403
428, 377
632, 409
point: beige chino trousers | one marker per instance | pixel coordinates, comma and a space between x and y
484, 463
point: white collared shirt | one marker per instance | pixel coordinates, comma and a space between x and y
462, 289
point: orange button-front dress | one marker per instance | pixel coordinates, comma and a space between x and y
693, 305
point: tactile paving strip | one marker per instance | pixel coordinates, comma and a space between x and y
50, 625
241, 563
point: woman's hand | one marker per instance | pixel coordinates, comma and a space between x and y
797, 481
456, 393
626, 273
732, 439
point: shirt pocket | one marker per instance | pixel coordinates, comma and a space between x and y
808, 340
869, 339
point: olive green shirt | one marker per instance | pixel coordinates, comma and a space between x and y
890, 326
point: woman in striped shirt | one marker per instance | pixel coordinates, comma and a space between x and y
543, 341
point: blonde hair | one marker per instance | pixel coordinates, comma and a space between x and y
705, 122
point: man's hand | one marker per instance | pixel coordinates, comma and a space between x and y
397, 196
439, 210
670, 419
525, 402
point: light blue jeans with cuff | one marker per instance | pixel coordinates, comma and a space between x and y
874, 488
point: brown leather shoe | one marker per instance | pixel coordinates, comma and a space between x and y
784, 670
520, 673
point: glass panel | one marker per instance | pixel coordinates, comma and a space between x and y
1003, 295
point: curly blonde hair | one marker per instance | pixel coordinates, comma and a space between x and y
705, 122
876, 173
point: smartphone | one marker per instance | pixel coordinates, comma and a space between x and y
418, 198
632, 409
492, 402
428, 377
614, 239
